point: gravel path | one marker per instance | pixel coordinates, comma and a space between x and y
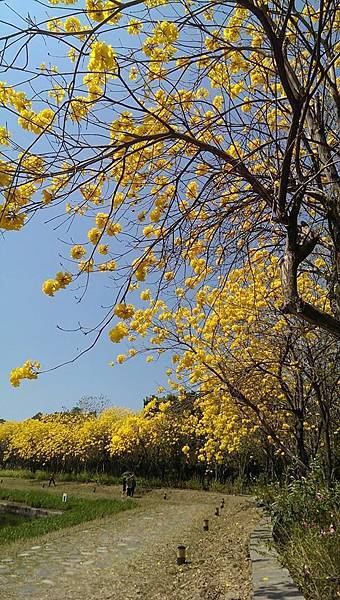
133, 555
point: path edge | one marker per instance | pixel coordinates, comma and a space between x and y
270, 580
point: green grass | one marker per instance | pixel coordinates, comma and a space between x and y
75, 511
229, 487
22, 473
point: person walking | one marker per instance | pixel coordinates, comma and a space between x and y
133, 485
129, 486
51, 480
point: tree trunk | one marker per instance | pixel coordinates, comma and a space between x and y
301, 451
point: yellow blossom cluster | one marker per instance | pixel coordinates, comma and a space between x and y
124, 311
117, 333
102, 58
62, 279
29, 370
78, 251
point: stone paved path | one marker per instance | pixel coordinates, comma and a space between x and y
120, 558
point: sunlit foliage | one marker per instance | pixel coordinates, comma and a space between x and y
197, 162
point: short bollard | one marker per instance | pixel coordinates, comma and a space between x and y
64, 497
181, 555
217, 512
205, 524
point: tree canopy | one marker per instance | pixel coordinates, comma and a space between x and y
208, 128
189, 148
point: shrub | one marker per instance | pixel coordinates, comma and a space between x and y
305, 517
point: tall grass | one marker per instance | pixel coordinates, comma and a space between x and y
305, 517
313, 559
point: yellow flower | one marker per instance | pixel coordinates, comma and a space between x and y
121, 358
50, 286
29, 370
165, 32
78, 251
72, 25
117, 333
113, 228
4, 136
86, 265
63, 279
192, 190
319, 263
5, 173
133, 73
103, 249
148, 231
94, 235
134, 26
111, 265
124, 311
101, 220
102, 58
246, 107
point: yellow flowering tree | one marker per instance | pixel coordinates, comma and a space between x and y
158, 441
255, 369
211, 129
61, 441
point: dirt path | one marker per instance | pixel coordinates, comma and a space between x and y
133, 555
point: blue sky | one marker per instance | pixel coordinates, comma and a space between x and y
29, 321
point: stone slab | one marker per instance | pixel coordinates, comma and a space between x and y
270, 580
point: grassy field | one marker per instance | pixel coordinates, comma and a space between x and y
73, 488
77, 509
237, 486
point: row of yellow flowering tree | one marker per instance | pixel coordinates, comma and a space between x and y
151, 443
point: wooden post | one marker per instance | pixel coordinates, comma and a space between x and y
181, 555
164, 496
217, 511
205, 524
